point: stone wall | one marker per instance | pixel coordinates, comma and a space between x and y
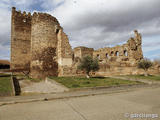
20, 39
80, 52
118, 60
129, 53
65, 55
121, 59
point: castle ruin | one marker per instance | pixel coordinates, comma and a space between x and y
39, 44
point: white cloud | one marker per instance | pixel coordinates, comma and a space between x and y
50, 4
4, 25
94, 23
109, 22
4, 53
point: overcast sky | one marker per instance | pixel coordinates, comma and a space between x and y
92, 23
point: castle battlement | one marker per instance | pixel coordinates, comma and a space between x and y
34, 43
38, 17
20, 14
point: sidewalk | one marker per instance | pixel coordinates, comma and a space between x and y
74, 93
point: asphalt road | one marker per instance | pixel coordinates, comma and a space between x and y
118, 106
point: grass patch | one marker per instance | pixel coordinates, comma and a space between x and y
150, 77
5, 85
80, 82
3, 74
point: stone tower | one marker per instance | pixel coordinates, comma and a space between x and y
39, 44
20, 39
135, 47
44, 45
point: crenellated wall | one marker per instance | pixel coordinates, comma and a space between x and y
20, 39
39, 43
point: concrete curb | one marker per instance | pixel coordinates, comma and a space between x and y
147, 81
74, 94
106, 87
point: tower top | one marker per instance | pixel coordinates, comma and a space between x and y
135, 31
13, 8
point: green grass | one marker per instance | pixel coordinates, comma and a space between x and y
5, 85
79, 82
150, 77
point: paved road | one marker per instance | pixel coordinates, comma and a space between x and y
98, 107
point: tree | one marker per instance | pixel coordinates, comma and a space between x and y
89, 64
145, 64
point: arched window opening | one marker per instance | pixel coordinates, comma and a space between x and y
57, 31
73, 57
98, 56
117, 53
24, 20
112, 53
106, 55
125, 53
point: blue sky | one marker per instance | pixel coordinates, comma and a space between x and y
96, 24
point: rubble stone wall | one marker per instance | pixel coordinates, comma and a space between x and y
129, 53
65, 55
80, 52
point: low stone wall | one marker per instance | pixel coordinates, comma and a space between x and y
126, 71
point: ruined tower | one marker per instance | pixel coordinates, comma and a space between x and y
39, 44
20, 39
44, 45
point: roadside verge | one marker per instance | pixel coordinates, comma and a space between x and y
74, 93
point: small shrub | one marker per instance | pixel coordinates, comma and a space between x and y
89, 64
145, 64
